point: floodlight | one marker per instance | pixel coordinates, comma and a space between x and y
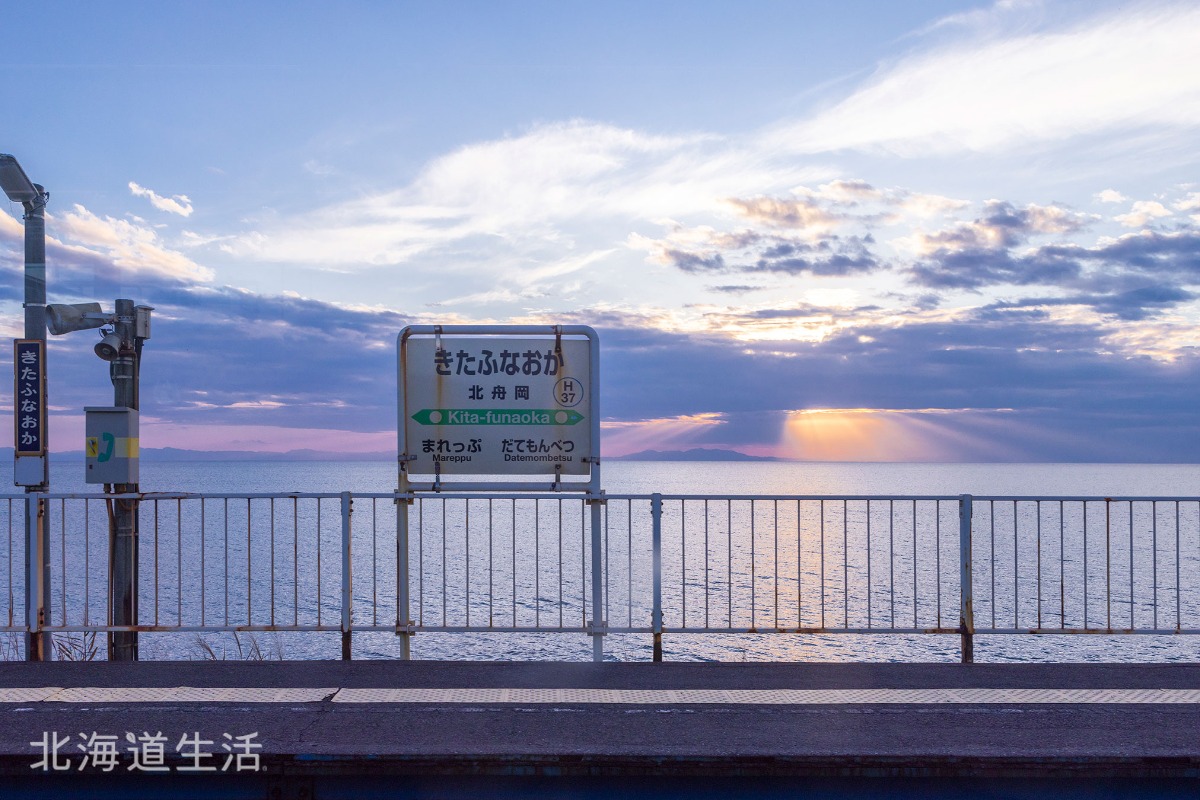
64, 318
16, 183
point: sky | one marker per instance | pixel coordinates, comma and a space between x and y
860, 231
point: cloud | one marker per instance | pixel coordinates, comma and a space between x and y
507, 190
1110, 196
844, 297
129, 246
935, 381
787, 236
734, 289
220, 356
929, 205
1003, 226
224, 356
1153, 254
518, 194
800, 214
1142, 213
1131, 305
1008, 384
831, 256
849, 191
782, 255
995, 90
979, 253
11, 229
1133, 277
694, 262
178, 204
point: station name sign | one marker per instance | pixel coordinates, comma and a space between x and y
497, 401
29, 400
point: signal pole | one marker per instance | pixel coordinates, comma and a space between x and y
123, 645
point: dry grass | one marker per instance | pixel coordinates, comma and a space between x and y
76, 647
11, 647
245, 647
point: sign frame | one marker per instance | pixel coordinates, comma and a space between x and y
588, 483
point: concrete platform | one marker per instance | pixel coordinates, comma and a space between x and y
672, 729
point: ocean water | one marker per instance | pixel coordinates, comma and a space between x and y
765, 565
670, 477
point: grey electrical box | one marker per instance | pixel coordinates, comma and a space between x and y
111, 446
141, 321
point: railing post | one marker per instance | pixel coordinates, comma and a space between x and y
123, 564
347, 590
656, 615
599, 624
403, 612
966, 613
37, 586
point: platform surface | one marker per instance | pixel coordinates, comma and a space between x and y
674, 720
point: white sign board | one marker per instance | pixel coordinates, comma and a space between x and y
498, 401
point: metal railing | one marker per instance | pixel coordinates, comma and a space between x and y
647, 565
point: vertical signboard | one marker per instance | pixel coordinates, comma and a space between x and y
29, 411
30, 399
499, 401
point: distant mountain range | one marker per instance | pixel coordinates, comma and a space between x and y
177, 454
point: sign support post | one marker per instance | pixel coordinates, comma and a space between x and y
482, 405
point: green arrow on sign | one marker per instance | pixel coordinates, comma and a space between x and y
496, 416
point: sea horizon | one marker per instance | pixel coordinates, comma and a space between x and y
714, 454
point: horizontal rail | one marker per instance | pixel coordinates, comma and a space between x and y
458, 495
1094, 631
192, 628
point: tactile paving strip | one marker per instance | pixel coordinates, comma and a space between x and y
547, 696
765, 696
30, 695
188, 694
